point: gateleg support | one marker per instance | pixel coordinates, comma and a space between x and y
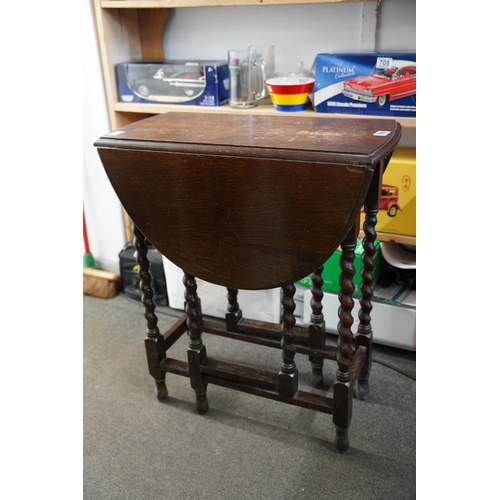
288, 384
155, 348
196, 357
234, 313
317, 328
364, 337
342, 387
288, 376
197, 352
155, 353
342, 414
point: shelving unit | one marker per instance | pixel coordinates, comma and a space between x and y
175, 4
133, 30
265, 109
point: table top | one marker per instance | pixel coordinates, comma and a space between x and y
250, 202
307, 138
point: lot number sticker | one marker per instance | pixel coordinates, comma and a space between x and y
382, 133
383, 62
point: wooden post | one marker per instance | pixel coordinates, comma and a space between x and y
317, 327
155, 349
197, 352
288, 379
342, 393
234, 313
364, 336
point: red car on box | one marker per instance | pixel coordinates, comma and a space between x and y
389, 200
384, 84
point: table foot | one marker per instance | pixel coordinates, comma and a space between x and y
317, 379
161, 390
341, 440
202, 403
363, 389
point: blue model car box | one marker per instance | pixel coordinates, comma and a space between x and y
202, 83
366, 83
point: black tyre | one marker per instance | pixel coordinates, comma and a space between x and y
393, 210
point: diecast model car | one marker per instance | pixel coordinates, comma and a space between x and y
389, 200
167, 82
400, 80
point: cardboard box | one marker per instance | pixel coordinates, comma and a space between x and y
262, 305
331, 270
398, 203
202, 83
366, 83
393, 325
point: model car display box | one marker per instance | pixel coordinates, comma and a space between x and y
202, 83
398, 202
331, 270
366, 83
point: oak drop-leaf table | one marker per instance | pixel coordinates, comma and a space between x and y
256, 202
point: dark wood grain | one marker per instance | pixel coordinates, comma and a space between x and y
255, 202
317, 326
154, 341
288, 380
256, 332
175, 332
241, 211
342, 387
197, 352
225, 377
233, 314
364, 337
343, 140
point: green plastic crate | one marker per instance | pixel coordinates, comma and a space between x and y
331, 271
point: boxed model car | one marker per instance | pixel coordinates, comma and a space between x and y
203, 83
366, 83
398, 202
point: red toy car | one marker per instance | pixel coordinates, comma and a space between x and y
388, 84
389, 200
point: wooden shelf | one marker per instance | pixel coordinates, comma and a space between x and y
177, 4
265, 109
130, 30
